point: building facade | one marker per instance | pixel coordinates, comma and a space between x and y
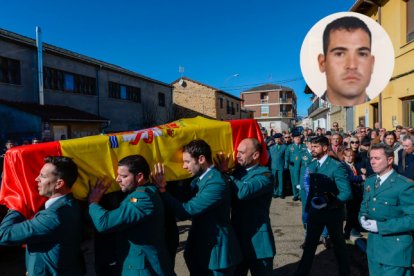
395, 105
126, 100
274, 106
192, 98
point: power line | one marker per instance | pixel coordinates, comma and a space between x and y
243, 86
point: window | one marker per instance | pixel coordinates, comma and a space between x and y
232, 108
124, 92
55, 79
408, 113
264, 110
161, 99
237, 107
410, 20
228, 107
69, 82
221, 102
264, 98
9, 70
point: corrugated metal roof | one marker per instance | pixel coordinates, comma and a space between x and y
4, 34
54, 112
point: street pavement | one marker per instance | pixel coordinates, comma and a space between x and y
288, 231
285, 216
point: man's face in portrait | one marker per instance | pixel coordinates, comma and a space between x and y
348, 65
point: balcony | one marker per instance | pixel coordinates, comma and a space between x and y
264, 101
286, 114
285, 100
317, 104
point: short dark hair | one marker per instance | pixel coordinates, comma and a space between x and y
348, 23
136, 164
389, 152
321, 140
199, 147
65, 168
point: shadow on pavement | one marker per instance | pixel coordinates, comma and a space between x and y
324, 263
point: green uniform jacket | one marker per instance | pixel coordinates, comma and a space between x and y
139, 221
211, 241
293, 160
336, 171
250, 213
392, 206
53, 238
277, 157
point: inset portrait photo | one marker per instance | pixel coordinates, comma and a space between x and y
347, 59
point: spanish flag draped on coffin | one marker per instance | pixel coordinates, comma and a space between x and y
97, 156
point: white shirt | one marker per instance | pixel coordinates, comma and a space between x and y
248, 169
322, 160
50, 201
385, 176
201, 176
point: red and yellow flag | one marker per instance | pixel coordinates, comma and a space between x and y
97, 156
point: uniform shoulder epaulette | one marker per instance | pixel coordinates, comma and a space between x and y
402, 177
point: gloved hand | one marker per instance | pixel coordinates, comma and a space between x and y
363, 222
298, 187
318, 202
369, 224
372, 225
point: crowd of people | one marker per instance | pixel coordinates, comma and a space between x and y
337, 176
367, 173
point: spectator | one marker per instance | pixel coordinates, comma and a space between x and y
356, 178
335, 128
335, 146
406, 157
319, 132
382, 132
390, 139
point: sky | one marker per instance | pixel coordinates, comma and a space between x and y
231, 45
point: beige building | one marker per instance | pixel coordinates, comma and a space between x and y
395, 105
192, 98
274, 105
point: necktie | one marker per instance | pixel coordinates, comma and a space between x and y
317, 166
354, 170
377, 183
